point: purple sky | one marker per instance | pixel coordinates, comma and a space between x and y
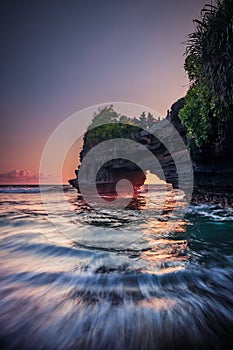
58, 57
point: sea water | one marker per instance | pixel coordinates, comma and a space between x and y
113, 279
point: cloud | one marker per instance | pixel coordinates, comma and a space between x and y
24, 177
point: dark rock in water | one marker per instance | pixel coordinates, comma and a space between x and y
114, 171
213, 173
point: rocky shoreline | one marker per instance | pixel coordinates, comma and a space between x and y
219, 198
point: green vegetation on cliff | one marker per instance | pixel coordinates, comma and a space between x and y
208, 110
108, 124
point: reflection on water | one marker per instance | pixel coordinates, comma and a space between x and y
114, 279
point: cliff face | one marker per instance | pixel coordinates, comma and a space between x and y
213, 174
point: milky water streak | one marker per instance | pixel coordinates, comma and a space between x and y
113, 279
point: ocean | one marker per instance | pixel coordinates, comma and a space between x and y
113, 278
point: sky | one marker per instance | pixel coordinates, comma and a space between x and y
61, 56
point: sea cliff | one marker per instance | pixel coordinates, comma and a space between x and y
213, 173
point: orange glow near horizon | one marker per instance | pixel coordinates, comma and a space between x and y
71, 162
152, 179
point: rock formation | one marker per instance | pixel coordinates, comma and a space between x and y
213, 174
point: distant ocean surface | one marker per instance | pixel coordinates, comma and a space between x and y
119, 280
